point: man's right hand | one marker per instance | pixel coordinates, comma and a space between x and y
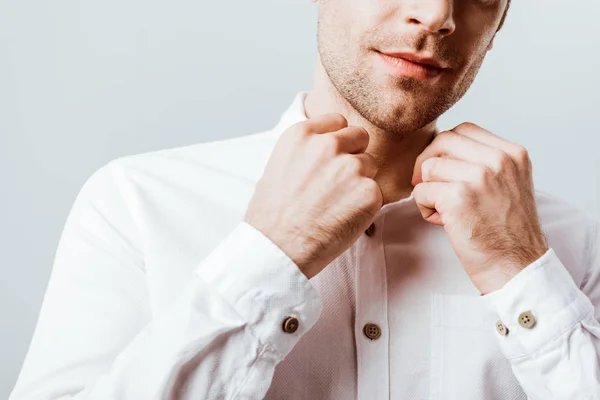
317, 194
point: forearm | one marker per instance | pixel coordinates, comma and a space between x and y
554, 350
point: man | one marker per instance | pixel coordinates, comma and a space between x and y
354, 251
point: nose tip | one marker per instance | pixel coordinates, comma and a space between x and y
444, 28
435, 16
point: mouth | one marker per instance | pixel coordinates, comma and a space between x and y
412, 65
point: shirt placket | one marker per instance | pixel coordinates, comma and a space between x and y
371, 329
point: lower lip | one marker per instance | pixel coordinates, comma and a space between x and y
400, 66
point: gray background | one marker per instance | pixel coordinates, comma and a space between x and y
82, 83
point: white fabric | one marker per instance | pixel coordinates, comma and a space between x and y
159, 290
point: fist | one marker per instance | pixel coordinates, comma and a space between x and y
479, 187
317, 194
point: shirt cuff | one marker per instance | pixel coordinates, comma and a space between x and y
546, 290
264, 285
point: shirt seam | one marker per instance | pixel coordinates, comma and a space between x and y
119, 177
588, 260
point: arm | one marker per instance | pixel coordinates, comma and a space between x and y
559, 356
97, 336
480, 188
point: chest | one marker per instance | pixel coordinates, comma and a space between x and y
400, 320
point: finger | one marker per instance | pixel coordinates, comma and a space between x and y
426, 196
515, 151
443, 169
352, 139
483, 136
369, 165
454, 145
326, 123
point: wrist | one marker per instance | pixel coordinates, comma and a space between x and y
493, 280
301, 251
503, 271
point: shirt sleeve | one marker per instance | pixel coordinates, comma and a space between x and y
552, 335
97, 336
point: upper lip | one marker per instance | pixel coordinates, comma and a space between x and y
416, 58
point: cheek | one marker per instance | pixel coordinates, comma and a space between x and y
334, 23
480, 31
473, 47
476, 26
475, 55
348, 19
341, 35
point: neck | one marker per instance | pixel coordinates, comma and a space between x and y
395, 156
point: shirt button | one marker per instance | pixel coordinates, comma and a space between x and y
290, 325
372, 331
501, 328
370, 230
526, 319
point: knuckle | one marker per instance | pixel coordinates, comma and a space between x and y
468, 125
426, 168
430, 163
354, 165
522, 154
372, 191
370, 185
501, 161
484, 175
447, 136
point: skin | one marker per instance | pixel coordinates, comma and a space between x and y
371, 138
400, 114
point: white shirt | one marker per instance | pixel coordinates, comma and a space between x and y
159, 290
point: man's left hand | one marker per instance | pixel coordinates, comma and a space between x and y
479, 187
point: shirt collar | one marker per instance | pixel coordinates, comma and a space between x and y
295, 113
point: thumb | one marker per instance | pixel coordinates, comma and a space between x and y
426, 196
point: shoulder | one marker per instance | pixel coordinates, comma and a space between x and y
241, 155
126, 181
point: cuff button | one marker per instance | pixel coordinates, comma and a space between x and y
526, 320
501, 328
290, 325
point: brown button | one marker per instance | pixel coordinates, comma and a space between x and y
526, 319
370, 230
372, 331
290, 325
501, 328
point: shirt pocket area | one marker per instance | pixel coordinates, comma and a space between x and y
466, 361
